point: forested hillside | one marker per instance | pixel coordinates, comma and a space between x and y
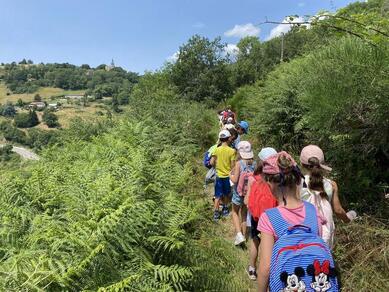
116, 201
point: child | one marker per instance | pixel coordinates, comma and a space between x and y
283, 176
322, 192
242, 128
223, 159
244, 167
262, 195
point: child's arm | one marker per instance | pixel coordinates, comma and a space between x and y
266, 247
213, 161
246, 198
336, 205
234, 175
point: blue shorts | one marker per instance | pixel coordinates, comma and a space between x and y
236, 198
222, 187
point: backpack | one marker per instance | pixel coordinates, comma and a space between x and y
245, 172
301, 260
325, 209
260, 198
207, 160
207, 157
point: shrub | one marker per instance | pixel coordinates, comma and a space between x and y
26, 120
50, 119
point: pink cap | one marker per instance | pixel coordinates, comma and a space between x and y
311, 151
270, 165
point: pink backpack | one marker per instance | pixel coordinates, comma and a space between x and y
245, 172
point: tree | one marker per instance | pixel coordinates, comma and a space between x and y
249, 64
20, 103
123, 97
50, 119
200, 71
85, 66
8, 110
26, 120
23, 62
37, 97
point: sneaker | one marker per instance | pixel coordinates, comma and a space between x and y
252, 273
216, 215
239, 239
225, 211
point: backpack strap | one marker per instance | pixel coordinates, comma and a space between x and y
279, 224
244, 166
311, 217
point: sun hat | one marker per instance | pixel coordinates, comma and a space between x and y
244, 125
266, 152
311, 151
271, 164
244, 149
224, 134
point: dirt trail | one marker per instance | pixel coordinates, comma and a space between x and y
23, 152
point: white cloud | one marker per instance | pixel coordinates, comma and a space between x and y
243, 30
285, 27
301, 4
198, 25
173, 58
232, 50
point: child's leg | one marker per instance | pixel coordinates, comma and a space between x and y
235, 218
243, 216
216, 203
254, 252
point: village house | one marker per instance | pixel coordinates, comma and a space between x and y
74, 96
37, 105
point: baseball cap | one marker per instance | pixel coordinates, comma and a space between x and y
266, 152
244, 149
244, 125
311, 151
224, 134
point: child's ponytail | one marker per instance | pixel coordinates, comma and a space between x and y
316, 177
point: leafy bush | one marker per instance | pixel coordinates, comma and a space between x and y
26, 120
50, 119
337, 98
12, 133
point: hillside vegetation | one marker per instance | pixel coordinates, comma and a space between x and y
116, 201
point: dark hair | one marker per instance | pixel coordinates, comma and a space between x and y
258, 168
316, 176
290, 174
233, 133
224, 139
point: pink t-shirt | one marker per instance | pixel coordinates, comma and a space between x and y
293, 216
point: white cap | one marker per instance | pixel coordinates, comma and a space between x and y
229, 126
224, 134
244, 149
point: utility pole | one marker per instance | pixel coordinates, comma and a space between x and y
282, 47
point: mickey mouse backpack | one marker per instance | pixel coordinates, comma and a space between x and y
301, 260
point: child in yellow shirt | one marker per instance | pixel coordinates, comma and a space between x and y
223, 159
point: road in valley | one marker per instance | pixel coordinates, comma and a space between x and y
23, 152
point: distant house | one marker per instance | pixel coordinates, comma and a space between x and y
37, 105
74, 96
53, 106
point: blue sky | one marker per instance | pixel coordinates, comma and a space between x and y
138, 34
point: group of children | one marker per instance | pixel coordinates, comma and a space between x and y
289, 215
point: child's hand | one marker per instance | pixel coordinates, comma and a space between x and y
352, 215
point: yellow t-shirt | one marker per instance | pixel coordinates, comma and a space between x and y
225, 155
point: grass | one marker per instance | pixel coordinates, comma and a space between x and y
44, 92
362, 254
